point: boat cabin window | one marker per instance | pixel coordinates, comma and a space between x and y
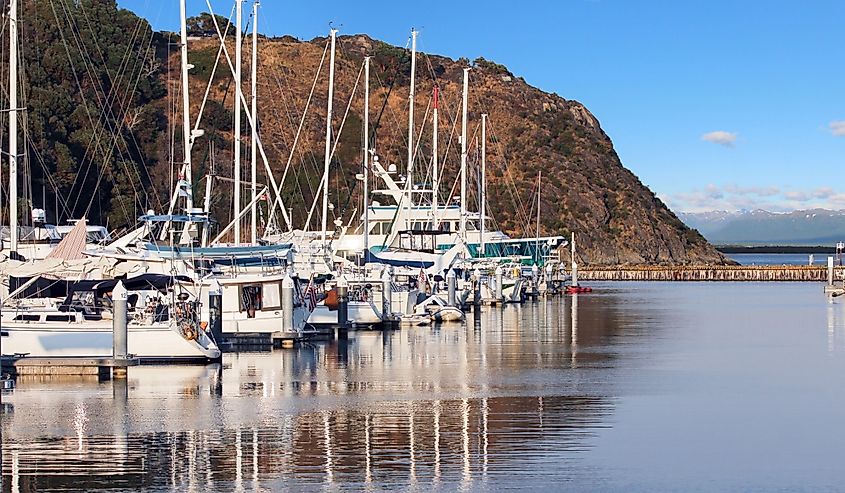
27, 318
271, 296
85, 302
60, 318
250, 299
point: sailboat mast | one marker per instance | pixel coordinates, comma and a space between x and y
254, 139
327, 158
366, 155
186, 109
237, 130
207, 202
408, 185
434, 172
13, 124
483, 208
537, 246
464, 156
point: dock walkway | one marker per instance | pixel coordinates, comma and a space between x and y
710, 273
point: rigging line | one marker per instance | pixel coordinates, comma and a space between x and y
304, 114
252, 121
116, 81
288, 119
171, 110
78, 83
444, 98
111, 96
123, 118
385, 101
510, 183
207, 159
422, 130
139, 154
306, 156
324, 179
457, 175
174, 196
338, 165
47, 174
144, 166
115, 143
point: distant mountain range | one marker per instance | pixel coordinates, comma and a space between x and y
760, 227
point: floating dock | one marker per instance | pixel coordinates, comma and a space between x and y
101, 367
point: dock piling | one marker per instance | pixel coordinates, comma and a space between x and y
120, 328
287, 304
452, 283
499, 278
387, 291
476, 287
215, 311
342, 308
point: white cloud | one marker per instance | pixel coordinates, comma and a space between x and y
837, 127
720, 137
762, 191
732, 197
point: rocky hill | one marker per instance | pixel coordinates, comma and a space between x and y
113, 95
585, 188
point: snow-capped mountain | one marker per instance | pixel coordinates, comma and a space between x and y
760, 227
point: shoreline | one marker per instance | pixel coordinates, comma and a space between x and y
793, 273
738, 249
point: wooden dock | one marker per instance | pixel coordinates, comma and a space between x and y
63, 366
710, 273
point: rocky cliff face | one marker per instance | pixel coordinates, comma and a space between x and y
585, 188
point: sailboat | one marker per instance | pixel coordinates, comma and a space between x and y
164, 322
410, 232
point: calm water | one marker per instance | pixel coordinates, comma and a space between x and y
667, 386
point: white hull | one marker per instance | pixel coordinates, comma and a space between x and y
94, 339
360, 313
448, 314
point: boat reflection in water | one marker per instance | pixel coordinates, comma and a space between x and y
514, 392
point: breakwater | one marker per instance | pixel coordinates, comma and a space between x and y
709, 273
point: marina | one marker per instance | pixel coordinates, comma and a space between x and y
235, 258
594, 390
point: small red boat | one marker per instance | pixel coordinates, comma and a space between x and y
578, 289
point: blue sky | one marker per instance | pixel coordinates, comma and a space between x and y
714, 105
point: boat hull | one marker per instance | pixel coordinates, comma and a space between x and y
360, 313
448, 314
146, 342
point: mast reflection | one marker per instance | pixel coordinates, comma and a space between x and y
445, 405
